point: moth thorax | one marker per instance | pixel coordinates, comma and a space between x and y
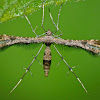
48, 33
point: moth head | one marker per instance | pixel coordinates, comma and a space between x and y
48, 33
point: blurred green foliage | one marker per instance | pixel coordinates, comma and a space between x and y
14, 8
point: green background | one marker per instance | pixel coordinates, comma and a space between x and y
78, 20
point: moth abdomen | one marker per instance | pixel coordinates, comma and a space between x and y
47, 60
46, 66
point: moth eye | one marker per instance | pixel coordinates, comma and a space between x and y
46, 33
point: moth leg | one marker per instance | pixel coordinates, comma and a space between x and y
58, 16
57, 21
53, 20
57, 35
39, 62
74, 66
33, 30
59, 62
43, 18
41, 35
71, 69
27, 69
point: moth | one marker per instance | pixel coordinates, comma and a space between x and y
48, 39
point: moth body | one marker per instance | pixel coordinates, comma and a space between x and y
47, 59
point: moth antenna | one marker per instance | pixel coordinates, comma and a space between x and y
71, 69
27, 69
